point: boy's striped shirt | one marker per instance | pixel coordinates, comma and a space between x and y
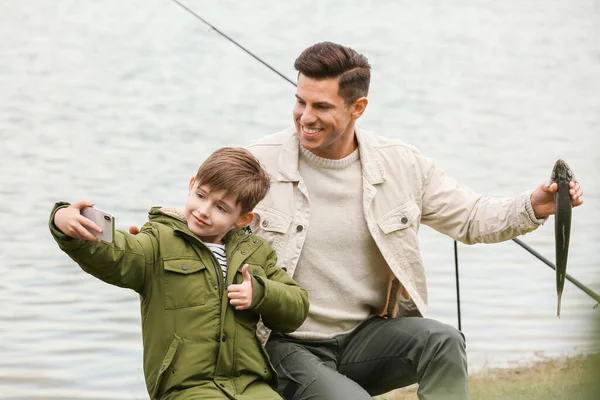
219, 252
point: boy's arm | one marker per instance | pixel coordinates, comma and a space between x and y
281, 302
124, 262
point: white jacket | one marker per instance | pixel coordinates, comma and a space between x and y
401, 190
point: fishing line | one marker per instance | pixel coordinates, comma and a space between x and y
214, 28
531, 250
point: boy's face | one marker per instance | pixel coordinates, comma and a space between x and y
211, 214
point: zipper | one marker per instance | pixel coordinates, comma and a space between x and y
245, 239
215, 262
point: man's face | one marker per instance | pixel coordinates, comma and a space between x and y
324, 124
211, 214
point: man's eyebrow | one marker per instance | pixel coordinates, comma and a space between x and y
318, 103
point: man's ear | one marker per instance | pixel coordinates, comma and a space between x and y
192, 182
358, 107
245, 220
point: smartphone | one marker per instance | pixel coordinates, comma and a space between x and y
104, 220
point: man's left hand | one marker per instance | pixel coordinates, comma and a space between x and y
542, 198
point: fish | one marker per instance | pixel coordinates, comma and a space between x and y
562, 175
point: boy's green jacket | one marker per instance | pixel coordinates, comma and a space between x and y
193, 338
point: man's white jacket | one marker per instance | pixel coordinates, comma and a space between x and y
401, 190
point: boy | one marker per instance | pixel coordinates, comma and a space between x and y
204, 282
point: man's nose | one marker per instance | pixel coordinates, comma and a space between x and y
308, 116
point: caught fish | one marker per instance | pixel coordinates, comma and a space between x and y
562, 175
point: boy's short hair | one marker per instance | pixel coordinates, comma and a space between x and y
237, 172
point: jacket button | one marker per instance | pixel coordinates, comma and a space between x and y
174, 371
265, 223
299, 228
223, 338
255, 241
254, 271
244, 252
215, 287
404, 220
184, 267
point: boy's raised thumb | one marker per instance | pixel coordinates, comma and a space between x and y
245, 273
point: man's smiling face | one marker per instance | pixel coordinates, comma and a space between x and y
323, 121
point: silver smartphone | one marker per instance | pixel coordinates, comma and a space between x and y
104, 220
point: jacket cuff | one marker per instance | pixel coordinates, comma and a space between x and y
258, 292
529, 209
65, 241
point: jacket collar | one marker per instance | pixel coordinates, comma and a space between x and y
175, 218
370, 160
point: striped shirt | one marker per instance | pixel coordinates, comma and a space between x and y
219, 252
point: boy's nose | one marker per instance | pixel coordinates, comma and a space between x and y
203, 211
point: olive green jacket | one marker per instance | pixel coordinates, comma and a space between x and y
192, 336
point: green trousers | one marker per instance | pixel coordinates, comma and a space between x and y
377, 357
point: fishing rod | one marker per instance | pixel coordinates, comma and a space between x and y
574, 281
532, 251
457, 284
214, 28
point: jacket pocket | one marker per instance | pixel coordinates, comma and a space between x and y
185, 283
401, 226
164, 367
272, 226
270, 374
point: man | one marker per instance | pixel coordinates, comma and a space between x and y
343, 214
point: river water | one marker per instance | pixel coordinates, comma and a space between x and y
119, 102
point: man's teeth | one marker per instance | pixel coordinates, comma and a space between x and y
308, 130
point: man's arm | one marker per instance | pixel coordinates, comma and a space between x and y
124, 262
470, 218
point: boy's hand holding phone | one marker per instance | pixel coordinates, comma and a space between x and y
76, 221
240, 295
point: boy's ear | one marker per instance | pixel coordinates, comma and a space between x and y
192, 181
245, 220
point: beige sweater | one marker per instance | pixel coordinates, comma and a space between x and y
338, 302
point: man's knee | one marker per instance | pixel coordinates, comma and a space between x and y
448, 335
435, 339
442, 341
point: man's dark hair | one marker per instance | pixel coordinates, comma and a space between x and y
331, 60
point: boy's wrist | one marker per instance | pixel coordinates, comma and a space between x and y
55, 230
258, 292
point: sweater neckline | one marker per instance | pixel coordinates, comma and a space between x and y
328, 163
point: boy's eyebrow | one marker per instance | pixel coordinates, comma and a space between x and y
230, 204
